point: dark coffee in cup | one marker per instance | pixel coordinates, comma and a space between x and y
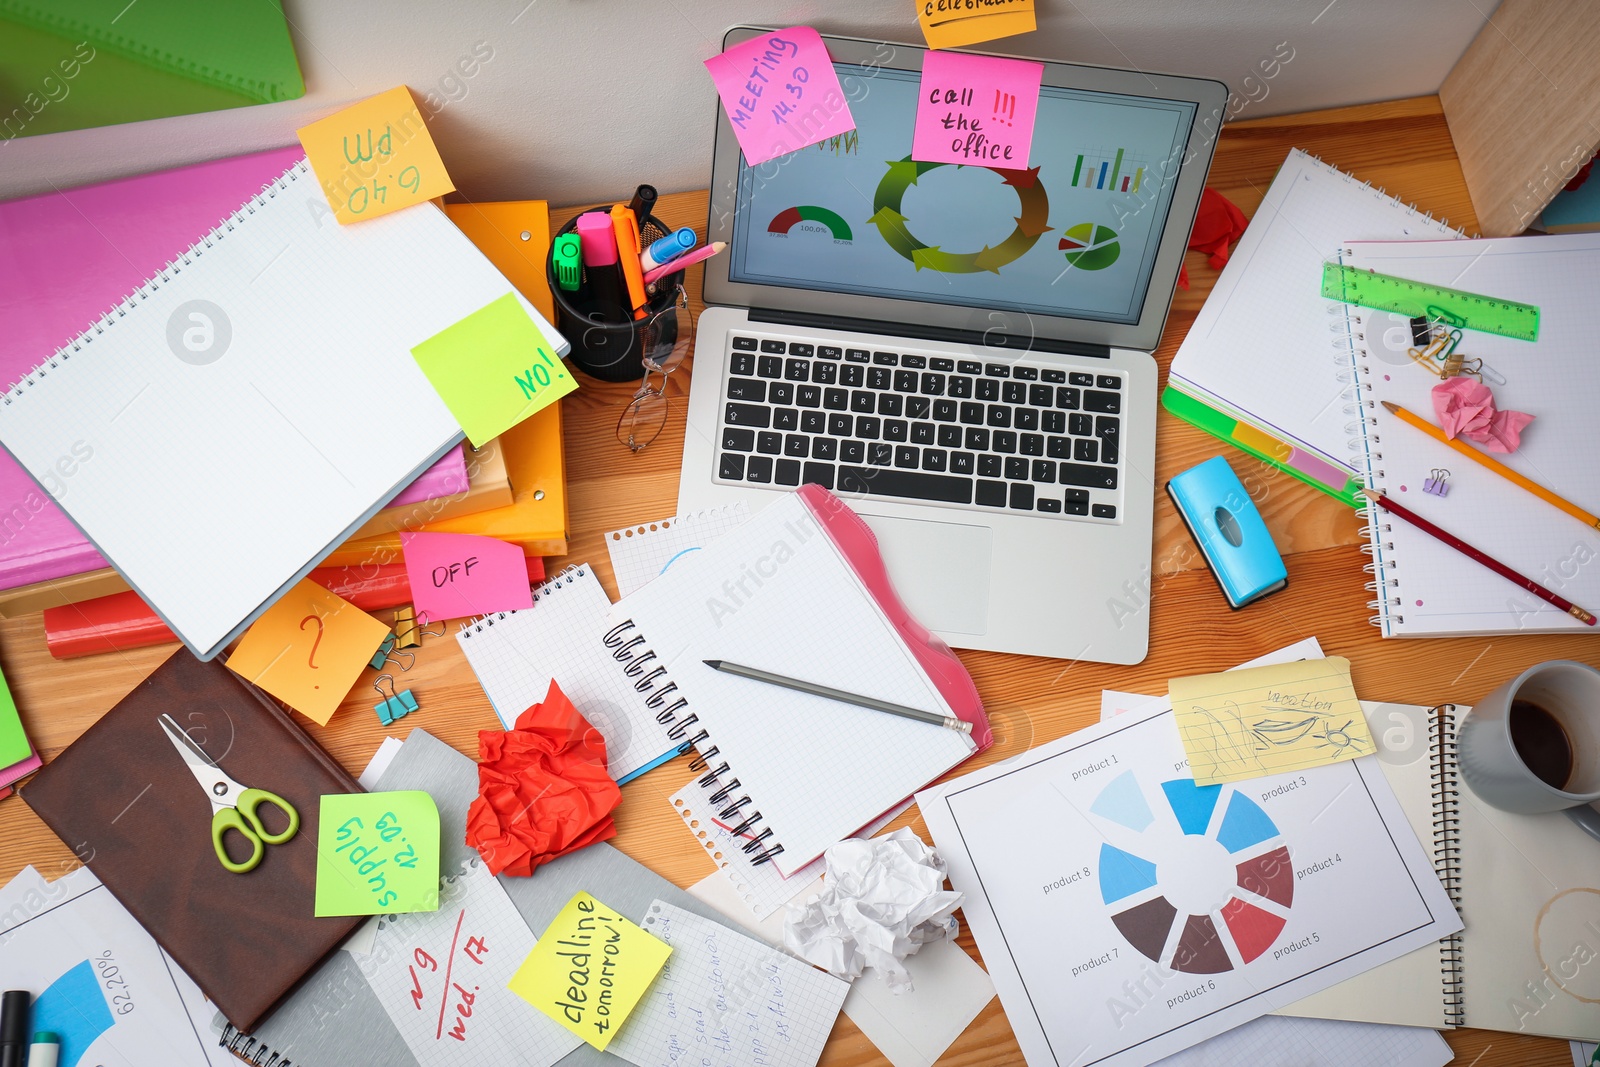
1542, 742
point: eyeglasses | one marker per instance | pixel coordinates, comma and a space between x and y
665, 342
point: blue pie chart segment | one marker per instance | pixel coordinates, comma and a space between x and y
1123, 802
1123, 874
76, 1010
1192, 804
1245, 824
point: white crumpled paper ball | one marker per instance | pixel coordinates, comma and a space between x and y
882, 900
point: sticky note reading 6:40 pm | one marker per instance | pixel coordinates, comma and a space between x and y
494, 368
375, 157
589, 969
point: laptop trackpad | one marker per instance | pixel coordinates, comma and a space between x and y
939, 569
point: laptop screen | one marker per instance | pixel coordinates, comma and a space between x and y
1079, 238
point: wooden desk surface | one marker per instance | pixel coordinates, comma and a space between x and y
1403, 146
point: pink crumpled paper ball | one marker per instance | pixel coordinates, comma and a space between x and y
1466, 409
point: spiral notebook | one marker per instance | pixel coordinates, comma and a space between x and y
800, 591
1425, 588
515, 654
1254, 369
203, 427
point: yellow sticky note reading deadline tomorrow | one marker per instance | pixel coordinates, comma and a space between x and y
308, 649
375, 157
958, 23
589, 969
1268, 720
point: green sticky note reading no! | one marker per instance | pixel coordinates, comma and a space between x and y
494, 368
377, 853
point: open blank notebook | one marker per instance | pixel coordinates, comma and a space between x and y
238, 416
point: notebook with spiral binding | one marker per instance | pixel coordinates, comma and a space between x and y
1254, 368
515, 654
214, 453
799, 590
1423, 587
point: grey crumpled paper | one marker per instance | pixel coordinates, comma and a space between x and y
882, 900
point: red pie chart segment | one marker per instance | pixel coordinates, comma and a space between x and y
1253, 929
1269, 875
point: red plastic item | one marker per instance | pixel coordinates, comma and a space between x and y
543, 788
1217, 225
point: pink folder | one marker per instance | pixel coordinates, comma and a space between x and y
65, 259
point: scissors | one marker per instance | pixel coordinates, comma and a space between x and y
233, 806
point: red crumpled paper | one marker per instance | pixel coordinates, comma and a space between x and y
543, 788
1466, 409
1217, 224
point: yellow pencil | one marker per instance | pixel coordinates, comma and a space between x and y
1495, 465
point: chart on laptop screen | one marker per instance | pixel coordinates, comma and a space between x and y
1075, 232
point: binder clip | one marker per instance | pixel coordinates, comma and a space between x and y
381, 657
387, 654
395, 705
1437, 482
408, 628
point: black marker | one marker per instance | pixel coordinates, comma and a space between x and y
14, 1027
643, 203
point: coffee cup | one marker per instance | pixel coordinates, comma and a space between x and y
1533, 744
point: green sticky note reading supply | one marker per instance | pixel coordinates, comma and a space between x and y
377, 853
494, 368
589, 969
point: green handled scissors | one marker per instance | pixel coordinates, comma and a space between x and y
233, 806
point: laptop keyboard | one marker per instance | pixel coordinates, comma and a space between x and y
923, 428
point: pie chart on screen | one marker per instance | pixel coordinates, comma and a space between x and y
1090, 246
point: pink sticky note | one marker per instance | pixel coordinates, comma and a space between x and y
456, 575
976, 110
782, 94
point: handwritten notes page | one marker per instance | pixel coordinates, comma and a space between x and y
494, 368
308, 649
640, 553
377, 853
589, 969
1266, 720
726, 1000
441, 976
375, 157
456, 575
976, 110
781, 93
958, 23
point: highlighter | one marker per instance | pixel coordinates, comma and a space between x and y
46, 1050
598, 238
626, 225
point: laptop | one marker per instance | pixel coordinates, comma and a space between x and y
962, 354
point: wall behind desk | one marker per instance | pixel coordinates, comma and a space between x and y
578, 100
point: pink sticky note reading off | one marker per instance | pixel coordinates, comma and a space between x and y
457, 575
976, 110
782, 94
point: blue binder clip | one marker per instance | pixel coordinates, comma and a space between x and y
382, 655
395, 705
1228, 529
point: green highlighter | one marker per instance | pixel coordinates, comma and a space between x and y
568, 261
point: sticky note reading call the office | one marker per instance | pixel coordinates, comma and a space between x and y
308, 649
976, 110
781, 93
375, 157
377, 853
589, 969
456, 575
958, 23
494, 368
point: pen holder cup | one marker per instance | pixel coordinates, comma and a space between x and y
617, 351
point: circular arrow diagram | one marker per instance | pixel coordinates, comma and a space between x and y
1032, 201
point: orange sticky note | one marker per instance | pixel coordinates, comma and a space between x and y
309, 649
958, 23
375, 157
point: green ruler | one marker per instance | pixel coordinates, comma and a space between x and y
1471, 311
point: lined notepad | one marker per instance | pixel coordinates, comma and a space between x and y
250, 406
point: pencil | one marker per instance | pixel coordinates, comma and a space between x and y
756, 674
1493, 464
1472, 553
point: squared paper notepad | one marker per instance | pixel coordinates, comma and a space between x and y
249, 407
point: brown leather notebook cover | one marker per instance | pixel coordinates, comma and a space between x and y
122, 799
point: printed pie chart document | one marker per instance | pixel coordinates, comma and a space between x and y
1126, 913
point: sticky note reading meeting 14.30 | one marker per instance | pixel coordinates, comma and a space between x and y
976, 110
781, 93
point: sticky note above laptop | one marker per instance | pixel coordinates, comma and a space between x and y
956, 24
375, 157
976, 110
781, 93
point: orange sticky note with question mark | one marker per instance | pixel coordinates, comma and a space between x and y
308, 649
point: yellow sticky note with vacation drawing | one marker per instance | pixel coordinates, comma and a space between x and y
308, 649
375, 157
958, 23
1268, 720
589, 969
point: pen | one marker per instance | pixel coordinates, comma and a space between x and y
599, 241
667, 249
701, 253
755, 674
643, 203
14, 1026
626, 225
